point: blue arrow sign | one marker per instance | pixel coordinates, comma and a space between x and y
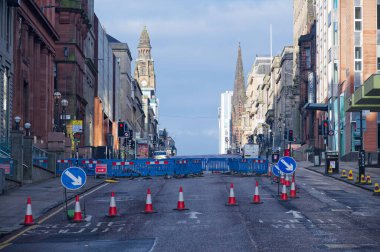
276, 171
287, 165
73, 178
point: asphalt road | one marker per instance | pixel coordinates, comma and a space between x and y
328, 215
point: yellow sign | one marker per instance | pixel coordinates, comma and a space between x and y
77, 126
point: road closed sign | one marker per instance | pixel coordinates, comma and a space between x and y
101, 169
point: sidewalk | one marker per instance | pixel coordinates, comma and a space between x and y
373, 172
44, 195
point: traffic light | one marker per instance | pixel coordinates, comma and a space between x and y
125, 142
132, 144
120, 129
325, 127
291, 139
285, 135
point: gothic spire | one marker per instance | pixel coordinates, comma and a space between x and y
239, 86
144, 39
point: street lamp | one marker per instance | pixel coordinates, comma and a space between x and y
17, 121
57, 97
64, 104
27, 128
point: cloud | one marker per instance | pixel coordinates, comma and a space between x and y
194, 46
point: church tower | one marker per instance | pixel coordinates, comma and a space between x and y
144, 69
238, 100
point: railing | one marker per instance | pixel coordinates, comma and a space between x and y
38, 153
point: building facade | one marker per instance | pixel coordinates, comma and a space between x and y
34, 54
238, 102
225, 122
6, 72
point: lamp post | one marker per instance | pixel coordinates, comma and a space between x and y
64, 104
57, 97
17, 121
27, 128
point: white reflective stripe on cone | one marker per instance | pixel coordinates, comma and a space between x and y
180, 198
28, 209
148, 199
232, 194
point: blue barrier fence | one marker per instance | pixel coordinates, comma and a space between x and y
41, 162
171, 167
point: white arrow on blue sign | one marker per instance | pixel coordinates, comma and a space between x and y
287, 165
73, 178
276, 170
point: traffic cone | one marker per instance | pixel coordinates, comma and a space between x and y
77, 212
181, 201
28, 215
376, 190
282, 180
256, 196
287, 181
112, 211
357, 180
368, 180
330, 171
293, 193
231, 198
344, 174
148, 204
284, 194
350, 175
362, 179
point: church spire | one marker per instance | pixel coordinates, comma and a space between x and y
239, 86
144, 39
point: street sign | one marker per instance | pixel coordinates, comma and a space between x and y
77, 126
77, 136
276, 171
331, 133
73, 178
287, 165
6, 167
126, 134
101, 169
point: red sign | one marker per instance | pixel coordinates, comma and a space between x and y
101, 169
287, 153
6, 167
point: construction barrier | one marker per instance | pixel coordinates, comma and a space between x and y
164, 167
41, 162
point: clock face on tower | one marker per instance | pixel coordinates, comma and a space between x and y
143, 83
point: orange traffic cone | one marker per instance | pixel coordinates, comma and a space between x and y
287, 181
112, 211
284, 194
77, 212
181, 201
231, 198
148, 204
28, 215
293, 193
256, 196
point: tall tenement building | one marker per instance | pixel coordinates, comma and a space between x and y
347, 54
238, 101
225, 122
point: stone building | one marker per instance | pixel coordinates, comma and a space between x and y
34, 53
224, 117
257, 100
75, 64
6, 71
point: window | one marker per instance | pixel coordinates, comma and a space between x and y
335, 35
358, 18
378, 16
378, 64
335, 4
308, 57
358, 58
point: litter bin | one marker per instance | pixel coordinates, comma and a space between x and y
275, 156
332, 160
317, 158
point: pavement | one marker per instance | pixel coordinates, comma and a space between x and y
45, 196
372, 171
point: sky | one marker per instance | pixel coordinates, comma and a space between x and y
194, 48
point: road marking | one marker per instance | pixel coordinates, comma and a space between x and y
7, 242
154, 244
181, 222
261, 221
105, 230
334, 199
119, 229
63, 231
321, 221
79, 231
296, 214
193, 215
348, 207
110, 224
94, 230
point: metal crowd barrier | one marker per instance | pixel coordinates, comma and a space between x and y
164, 167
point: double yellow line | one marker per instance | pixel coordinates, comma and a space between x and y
8, 242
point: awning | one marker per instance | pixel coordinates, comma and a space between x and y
316, 106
